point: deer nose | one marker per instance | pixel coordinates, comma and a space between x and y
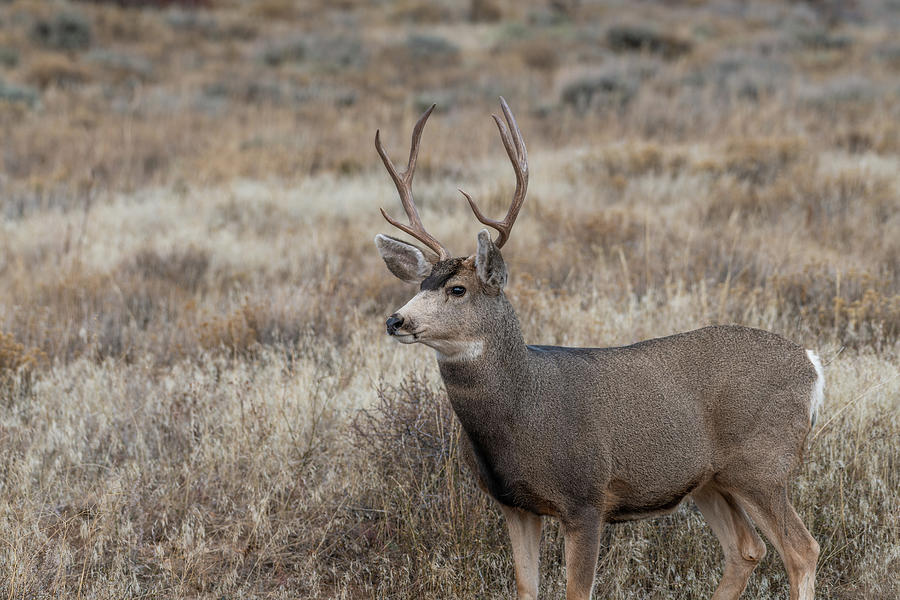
394, 322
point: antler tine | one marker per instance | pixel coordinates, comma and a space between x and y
518, 155
404, 188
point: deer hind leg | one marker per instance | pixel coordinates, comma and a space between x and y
582, 549
741, 544
525, 536
781, 525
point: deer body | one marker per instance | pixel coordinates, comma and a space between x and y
628, 431
596, 435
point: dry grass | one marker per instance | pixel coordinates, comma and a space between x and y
196, 396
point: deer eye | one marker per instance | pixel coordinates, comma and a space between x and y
457, 290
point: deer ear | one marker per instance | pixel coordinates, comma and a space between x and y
404, 260
489, 263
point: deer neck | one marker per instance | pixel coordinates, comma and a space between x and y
490, 380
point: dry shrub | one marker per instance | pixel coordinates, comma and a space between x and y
275, 9
74, 314
337, 53
607, 90
757, 160
485, 11
420, 511
422, 11
60, 70
183, 268
11, 94
14, 356
636, 38
17, 365
9, 57
541, 54
172, 304
820, 39
832, 206
114, 26
837, 207
735, 200
592, 233
122, 67
890, 55
833, 198
732, 199
141, 306
853, 93
146, 302
431, 50
65, 31
223, 497
236, 333
847, 304
880, 138
740, 75
854, 140
626, 255
617, 164
294, 50
635, 160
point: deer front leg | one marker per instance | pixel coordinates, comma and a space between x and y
582, 548
525, 535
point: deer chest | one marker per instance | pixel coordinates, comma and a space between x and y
509, 485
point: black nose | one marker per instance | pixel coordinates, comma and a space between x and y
394, 322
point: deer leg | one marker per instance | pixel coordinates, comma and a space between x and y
781, 525
582, 549
525, 536
741, 544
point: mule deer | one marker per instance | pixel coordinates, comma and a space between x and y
596, 435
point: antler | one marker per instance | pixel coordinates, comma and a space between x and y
515, 148
404, 187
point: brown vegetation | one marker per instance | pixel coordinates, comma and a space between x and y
191, 307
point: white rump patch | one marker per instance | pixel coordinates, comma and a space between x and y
818, 390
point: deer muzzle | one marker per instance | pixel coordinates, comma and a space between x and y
393, 323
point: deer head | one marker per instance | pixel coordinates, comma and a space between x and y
460, 299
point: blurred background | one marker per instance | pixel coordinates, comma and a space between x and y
196, 395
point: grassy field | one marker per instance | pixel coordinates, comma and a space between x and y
197, 398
